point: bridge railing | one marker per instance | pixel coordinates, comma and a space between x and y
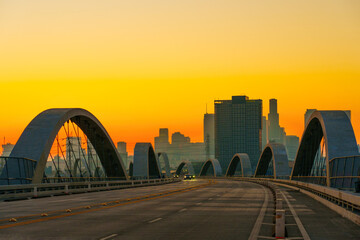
23, 166
346, 199
9, 192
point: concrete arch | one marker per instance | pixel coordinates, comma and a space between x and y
216, 166
36, 140
339, 138
164, 156
276, 152
244, 160
146, 163
188, 165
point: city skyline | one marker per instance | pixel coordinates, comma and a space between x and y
126, 62
194, 138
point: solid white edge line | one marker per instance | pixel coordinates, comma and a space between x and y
297, 219
108, 237
256, 229
155, 220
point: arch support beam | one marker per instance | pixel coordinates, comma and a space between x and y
245, 165
163, 157
146, 163
188, 165
339, 138
277, 153
216, 167
37, 139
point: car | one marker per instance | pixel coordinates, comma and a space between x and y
188, 177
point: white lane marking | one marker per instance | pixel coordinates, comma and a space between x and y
199, 203
297, 219
182, 210
108, 237
256, 229
155, 220
210, 199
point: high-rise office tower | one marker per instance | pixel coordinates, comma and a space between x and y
162, 141
274, 126
209, 135
7, 148
74, 153
264, 133
292, 145
121, 147
238, 129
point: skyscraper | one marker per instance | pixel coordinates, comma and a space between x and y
292, 145
74, 152
121, 147
264, 133
7, 148
180, 149
162, 141
274, 126
238, 129
209, 135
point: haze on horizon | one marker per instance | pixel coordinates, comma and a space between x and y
142, 65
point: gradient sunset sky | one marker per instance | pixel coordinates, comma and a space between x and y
140, 65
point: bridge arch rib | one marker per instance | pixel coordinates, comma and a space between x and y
188, 165
216, 167
163, 157
146, 162
245, 165
277, 153
339, 140
36, 140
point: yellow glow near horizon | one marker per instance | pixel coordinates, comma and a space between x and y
142, 65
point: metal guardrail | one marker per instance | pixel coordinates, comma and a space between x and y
10, 192
345, 199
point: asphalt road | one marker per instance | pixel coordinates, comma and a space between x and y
193, 209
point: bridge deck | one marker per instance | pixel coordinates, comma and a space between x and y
225, 210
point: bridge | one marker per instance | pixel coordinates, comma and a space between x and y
316, 199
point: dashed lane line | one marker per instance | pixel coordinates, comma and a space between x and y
43, 219
155, 220
256, 229
304, 234
108, 237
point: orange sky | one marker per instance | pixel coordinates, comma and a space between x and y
141, 65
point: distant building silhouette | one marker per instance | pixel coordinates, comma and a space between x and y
292, 144
7, 148
180, 149
121, 147
73, 151
238, 129
264, 132
274, 126
209, 135
162, 141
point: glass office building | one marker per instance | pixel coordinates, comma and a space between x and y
238, 125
